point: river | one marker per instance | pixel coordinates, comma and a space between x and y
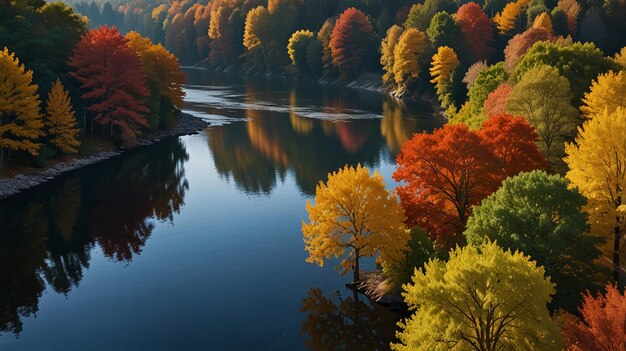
195, 242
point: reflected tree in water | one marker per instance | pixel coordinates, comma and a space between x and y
338, 323
145, 187
235, 157
68, 252
262, 150
22, 259
113, 204
276, 140
395, 128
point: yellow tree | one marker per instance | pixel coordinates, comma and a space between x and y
444, 63
544, 21
297, 46
597, 163
354, 216
60, 122
620, 58
506, 20
411, 45
257, 30
20, 118
608, 92
165, 79
481, 299
386, 52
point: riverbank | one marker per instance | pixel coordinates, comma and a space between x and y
372, 82
186, 125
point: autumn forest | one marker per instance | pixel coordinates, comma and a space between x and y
457, 169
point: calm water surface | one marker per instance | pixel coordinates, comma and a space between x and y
195, 243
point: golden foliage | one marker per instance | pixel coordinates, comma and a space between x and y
394, 127
20, 118
507, 18
296, 47
60, 120
596, 162
162, 70
444, 63
386, 52
620, 58
354, 216
544, 21
256, 27
608, 92
406, 54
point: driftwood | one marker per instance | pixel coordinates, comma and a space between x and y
376, 288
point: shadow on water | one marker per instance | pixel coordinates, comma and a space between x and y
340, 323
46, 240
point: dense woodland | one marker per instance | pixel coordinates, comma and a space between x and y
507, 229
64, 85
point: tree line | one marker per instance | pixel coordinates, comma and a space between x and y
64, 84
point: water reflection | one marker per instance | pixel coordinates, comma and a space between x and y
48, 241
337, 323
276, 127
395, 128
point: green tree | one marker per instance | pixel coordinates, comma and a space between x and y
419, 251
420, 15
486, 82
579, 63
444, 31
482, 299
539, 215
314, 54
543, 97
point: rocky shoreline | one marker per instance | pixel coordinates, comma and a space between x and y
186, 125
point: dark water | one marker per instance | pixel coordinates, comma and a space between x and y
195, 243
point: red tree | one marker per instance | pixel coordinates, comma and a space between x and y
496, 100
113, 82
514, 143
477, 30
520, 43
449, 171
350, 40
603, 324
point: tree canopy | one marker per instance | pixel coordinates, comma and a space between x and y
480, 299
537, 214
354, 216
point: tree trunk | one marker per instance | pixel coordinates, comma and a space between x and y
356, 265
616, 245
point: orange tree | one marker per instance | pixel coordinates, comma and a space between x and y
447, 172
